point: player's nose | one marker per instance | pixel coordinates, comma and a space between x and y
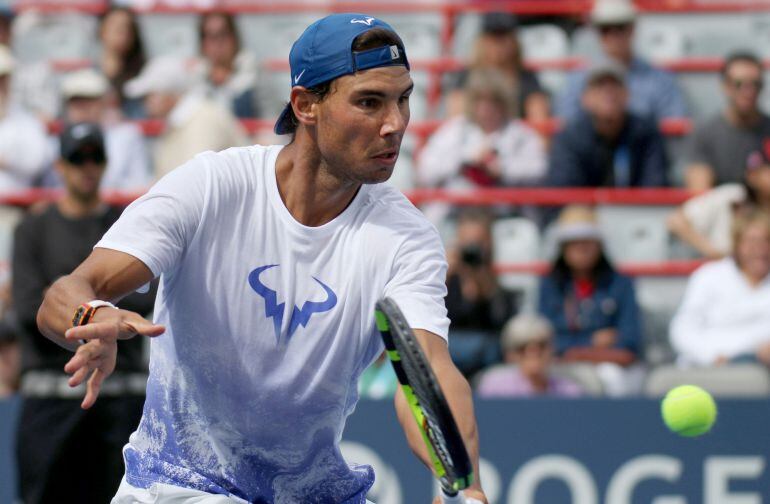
394, 120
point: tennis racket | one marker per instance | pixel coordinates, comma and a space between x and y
446, 448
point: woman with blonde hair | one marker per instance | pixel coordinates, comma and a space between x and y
725, 314
485, 146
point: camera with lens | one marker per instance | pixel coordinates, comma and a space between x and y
473, 255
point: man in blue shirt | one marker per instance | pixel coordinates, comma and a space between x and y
653, 93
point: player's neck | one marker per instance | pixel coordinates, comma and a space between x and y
310, 192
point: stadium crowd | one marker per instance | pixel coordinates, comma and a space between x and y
583, 333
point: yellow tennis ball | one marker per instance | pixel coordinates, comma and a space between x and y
688, 410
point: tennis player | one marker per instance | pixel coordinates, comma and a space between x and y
270, 261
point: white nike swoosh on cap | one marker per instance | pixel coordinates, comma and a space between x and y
299, 76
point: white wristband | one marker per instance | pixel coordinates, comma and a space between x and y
98, 303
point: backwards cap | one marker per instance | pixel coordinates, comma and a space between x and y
324, 52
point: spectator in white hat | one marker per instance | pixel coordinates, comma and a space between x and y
527, 344
591, 305
194, 123
85, 100
652, 92
24, 149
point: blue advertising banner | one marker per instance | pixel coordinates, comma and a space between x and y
583, 452
559, 452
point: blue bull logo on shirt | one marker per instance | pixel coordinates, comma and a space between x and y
275, 310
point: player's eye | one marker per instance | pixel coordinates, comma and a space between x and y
404, 98
367, 102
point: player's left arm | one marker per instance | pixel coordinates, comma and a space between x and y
458, 394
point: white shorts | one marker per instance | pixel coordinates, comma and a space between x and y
161, 493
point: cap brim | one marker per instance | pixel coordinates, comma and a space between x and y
284, 126
577, 232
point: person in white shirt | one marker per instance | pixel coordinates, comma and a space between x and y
270, 261
705, 221
486, 146
725, 314
193, 122
24, 150
85, 100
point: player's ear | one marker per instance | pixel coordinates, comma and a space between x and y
302, 102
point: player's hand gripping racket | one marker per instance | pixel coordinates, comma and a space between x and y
446, 448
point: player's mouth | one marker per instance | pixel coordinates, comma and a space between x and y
388, 156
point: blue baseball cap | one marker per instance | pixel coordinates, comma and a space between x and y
324, 52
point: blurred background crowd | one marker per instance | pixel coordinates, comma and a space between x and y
544, 298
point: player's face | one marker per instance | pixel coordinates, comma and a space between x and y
361, 122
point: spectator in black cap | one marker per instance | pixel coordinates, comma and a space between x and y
497, 47
57, 441
606, 145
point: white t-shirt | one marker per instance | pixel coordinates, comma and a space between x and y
721, 315
521, 153
269, 324
711, 214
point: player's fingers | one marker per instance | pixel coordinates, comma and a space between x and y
83, 354
79, 376
93, 386
96, 330
136, 324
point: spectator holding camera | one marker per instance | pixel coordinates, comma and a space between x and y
486, 146
606, 145
725, 314
476, 304
527, 345
591, 306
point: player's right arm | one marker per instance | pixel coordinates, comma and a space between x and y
107, 275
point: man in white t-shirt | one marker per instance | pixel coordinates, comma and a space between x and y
270, 260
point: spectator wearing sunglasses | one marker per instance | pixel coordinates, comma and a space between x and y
653, 93
56, 438
528, 350
721, 145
